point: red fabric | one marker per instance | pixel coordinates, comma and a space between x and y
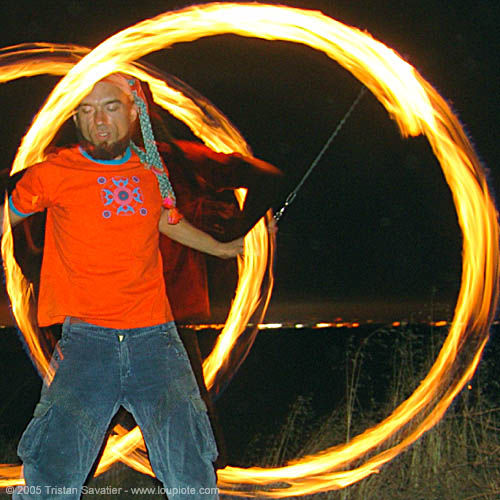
203, 181
101, 257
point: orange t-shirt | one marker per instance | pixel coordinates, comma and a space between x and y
101, 260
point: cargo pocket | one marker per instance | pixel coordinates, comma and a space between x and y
174, 343
206, 439
33, 438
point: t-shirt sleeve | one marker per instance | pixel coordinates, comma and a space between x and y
31, 194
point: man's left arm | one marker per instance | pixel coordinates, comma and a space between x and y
186, 234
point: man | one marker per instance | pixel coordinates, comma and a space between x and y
102, 278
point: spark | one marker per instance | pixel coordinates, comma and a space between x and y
328, 325
270, 326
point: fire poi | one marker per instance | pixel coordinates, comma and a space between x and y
415, 106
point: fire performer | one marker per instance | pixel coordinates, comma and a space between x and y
107, 202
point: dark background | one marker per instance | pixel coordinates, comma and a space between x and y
374, 229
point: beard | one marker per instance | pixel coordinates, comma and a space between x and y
104, 150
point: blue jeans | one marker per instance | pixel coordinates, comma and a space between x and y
145, 370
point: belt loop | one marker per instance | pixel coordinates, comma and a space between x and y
67, 322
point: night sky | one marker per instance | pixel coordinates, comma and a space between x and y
375, 223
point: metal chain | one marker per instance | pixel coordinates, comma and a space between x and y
293, 194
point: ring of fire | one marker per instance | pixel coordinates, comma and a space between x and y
418, 109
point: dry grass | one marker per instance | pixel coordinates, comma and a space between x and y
458, 459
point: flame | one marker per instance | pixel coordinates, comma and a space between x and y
418, 109
22, 300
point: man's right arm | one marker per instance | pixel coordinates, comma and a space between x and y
32, 193
14, 217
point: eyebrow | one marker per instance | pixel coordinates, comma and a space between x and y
111, 101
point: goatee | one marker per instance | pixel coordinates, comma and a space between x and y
105, 150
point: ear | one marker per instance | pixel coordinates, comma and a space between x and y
75, 120
133, 113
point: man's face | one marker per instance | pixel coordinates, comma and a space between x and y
105, 121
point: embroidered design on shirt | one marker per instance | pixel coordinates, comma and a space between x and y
121, 196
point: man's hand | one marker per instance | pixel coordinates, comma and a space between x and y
231, 249
272, 226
